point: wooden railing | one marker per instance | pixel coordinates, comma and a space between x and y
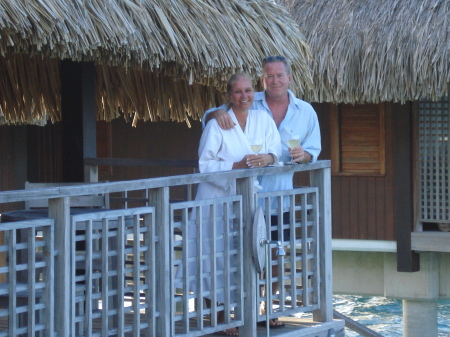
128, 250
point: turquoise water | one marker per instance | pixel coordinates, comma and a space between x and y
384, 315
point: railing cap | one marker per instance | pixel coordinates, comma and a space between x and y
139, 184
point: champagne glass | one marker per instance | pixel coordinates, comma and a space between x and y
292, 142
256, 144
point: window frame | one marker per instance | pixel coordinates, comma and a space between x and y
336, 143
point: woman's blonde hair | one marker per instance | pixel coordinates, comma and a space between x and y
234, 78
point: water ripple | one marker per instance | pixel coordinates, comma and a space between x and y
384, 315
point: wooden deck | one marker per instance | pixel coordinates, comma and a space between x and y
293, 328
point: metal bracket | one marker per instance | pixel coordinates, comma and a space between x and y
259, 232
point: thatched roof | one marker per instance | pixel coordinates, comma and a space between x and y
155, 59
376, 50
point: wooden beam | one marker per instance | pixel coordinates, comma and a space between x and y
72, 121
431, 241
137, 162
89, 112
407, 260
78, 109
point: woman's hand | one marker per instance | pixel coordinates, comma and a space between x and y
242, 164
259, 160
254, 160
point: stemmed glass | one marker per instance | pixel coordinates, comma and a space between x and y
292, 142
256, 144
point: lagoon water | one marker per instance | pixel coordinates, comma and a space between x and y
384, 315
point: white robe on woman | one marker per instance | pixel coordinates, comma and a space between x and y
218, 150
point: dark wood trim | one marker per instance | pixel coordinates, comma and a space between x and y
78, 110
407, 260
353, 174
32, 154
20, 156
416, 161
382, 116
335, 141
72, 121
385, 224
136, 162
89, 110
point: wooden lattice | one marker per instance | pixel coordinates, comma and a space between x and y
434, 161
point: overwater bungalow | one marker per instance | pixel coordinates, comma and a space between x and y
100, 104
381, 77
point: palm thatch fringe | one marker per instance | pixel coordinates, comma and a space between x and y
189, 42
376, 50
29, 90
149, 96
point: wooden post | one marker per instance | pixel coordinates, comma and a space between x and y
89, 108
72, 121
322, 179
49, 276
159, 198
244, 187
78, 109
59, 210
407, 259
90, 174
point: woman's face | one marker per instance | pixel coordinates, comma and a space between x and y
241, 95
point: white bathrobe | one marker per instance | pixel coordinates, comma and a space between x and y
218, 150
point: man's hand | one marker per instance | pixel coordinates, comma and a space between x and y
223, 119
300, 155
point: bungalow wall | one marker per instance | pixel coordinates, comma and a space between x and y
158, 141
7, 158
12, 159
366, 205
6, 161
29, 152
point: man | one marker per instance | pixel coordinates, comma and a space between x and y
291, 116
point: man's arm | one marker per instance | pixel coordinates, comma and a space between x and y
311, 145
221, 115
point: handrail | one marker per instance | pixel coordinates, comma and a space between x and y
355, 326
138, 184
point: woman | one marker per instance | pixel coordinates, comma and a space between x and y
223, 150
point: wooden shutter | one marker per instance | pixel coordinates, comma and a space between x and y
358, 139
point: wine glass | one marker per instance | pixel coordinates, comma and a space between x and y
292, 142
256, 144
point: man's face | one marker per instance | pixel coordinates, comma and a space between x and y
275, 79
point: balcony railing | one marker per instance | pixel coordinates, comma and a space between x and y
143, 268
